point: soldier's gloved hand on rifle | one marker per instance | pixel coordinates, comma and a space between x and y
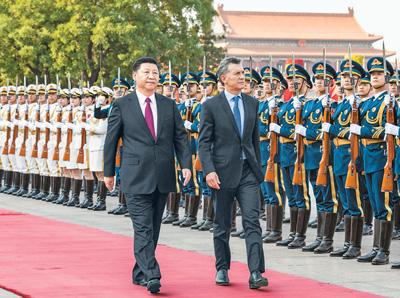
272, 104
354, 99
188, 103
388, 100
275, 128
23, 123
10, 124
300, 129
64, 127
58, 125
297, 103
355, 129
32, 126
100, 100
391, 129
326, 101
326, 126
188, 124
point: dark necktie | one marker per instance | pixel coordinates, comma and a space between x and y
236, 114
148, 116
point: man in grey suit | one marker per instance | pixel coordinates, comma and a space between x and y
230, 155
152, 132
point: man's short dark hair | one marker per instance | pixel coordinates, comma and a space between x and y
141, 60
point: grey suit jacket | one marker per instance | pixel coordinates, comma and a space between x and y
220, 144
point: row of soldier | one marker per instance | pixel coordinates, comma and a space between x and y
335, 149
53, 139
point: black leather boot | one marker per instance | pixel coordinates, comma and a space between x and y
24, 185
356, 232
191, 220
167, 208
64, 196
276, 225
368, 216
347, 228
268, 220
367, 258
320, 231
15, 184
329, 230
123, 209
204, 217
301, 229
396, 221
7, 181
382, 257
49, 196
174, 209
88, 201
101, 197
179, 221
76, 185
35, 183
55, 189
208, 224
293, 223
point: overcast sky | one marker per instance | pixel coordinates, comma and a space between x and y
380, 17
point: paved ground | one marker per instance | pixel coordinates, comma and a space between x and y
375, 279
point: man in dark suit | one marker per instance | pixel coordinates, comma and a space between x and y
230, 155
153, 134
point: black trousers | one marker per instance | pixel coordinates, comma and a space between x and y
146, 214
248, 197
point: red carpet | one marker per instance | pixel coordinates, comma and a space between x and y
46, 258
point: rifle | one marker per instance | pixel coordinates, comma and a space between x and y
45, 152
322, 176
387, 182
67, 152
37, 131
351, 179
298, 169
15, 133
81, 152
22, 152
56, 154
273, 137
8, 130
118, 154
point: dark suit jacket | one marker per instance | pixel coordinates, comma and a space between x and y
146, 164
220, 145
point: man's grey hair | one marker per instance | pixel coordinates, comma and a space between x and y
224, 65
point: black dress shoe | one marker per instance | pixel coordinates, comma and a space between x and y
257, 281
153, 286
221, 278
141, 282
396, 265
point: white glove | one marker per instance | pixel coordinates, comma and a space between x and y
326, 101
300, 129
388, 100
326, 126
70, 126
272, 104
63, 128
355, 129
188, 124
77, 129
10, 124
353, 98
391, 129
275, 128
58, 125
32, 126
100, 100
16, 122
188, 103
297, 103
39, 125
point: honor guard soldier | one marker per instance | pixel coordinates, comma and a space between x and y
171, 86
72, 164
42, 131
372, 133
350, 74
190, 83
324, 193
65, 112
299, 202
97, 129
120, 88
33, 167
7, 95
208, 83
271, 189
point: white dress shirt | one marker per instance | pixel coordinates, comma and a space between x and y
153, 106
